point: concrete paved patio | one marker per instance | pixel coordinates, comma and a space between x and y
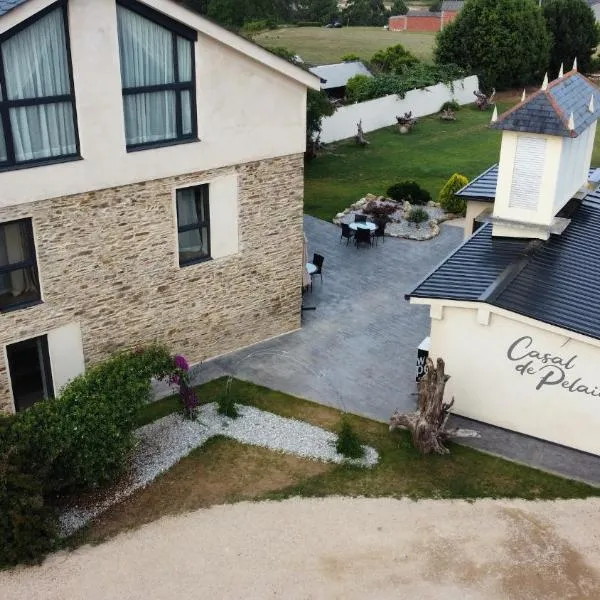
357, 350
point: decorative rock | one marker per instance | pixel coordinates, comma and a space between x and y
406, 206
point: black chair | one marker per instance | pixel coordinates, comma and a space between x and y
346, 233
318, 262
380, 231
363, 236
360, 218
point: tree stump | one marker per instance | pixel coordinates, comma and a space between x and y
360, 136
483, 101
406, 122
427, 424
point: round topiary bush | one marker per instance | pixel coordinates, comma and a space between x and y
449, 201
450, 105
409, 191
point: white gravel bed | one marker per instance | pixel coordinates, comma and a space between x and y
165, 442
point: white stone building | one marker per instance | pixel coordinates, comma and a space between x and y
151, 187
515, 310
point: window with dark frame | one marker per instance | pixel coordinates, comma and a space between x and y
193, 224
30, 372
38, 120
19, 284
158, 77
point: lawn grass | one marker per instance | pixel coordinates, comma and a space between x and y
319, 46
225, 471
344, 172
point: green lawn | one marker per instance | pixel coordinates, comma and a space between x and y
318, 45
224, 470
430, 154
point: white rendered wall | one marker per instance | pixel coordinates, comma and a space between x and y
246, 111
474, 209
549, 176
65, 348
382, 112
520, 393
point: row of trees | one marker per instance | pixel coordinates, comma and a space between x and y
237, 13
512, 43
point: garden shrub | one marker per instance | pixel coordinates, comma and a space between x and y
350, 58
380, 211
449, 201
450, 105
393, 59
417, 215
253, 27
415, 76
348, 443
409, 191
77, 441
226, 404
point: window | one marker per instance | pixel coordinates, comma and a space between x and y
30, 372
157, 74
193, 224
18, 269
37, 105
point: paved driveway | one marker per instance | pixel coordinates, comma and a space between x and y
357, 350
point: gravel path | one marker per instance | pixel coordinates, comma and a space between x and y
166, 441
337, 548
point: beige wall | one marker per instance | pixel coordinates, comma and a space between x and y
523, 394
474, 209
246, 111
108, 262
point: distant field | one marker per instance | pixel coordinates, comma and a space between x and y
318, 45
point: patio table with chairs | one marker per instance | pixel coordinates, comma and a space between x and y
362, 231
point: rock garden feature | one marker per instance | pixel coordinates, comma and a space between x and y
161, 444
407, 210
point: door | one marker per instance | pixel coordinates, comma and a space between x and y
30, 373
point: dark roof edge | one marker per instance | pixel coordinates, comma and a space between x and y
478, 176
441, 263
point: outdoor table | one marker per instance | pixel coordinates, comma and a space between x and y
370, 226
311, 268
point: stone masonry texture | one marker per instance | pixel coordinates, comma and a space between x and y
108, 260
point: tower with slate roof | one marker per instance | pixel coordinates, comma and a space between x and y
547, 144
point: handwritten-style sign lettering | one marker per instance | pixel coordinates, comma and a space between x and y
549, 369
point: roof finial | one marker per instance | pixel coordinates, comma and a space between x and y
571, 122
591, 104
575, 64
545, 82
495, 114
561, 71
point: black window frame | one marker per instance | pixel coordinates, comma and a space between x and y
46, 370
176, 29
198, 225
30, 262
5, 105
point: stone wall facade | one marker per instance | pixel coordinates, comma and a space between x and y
108, 260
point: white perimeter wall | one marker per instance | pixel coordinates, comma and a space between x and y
382, 112
529, 394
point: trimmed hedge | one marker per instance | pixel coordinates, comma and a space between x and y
449, 201
78, 441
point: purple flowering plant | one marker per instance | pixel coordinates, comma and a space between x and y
187, 396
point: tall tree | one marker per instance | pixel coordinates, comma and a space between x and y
505, 42
366, 12
574, 31
399, 7
321, 11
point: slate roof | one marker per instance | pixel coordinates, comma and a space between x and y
547, 111
337, 75
455, 5
483, 187
555, 281
6, 5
